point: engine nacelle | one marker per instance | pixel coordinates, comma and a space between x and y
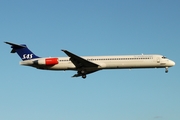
51, 61
47, 61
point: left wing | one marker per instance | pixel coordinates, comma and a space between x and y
78, 61
83, 66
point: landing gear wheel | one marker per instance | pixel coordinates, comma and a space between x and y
166, 71
82, 72
84, 76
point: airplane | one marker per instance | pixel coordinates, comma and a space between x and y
89, 64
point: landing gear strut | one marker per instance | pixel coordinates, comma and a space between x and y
166, 70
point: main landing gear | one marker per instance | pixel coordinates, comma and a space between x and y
82, 73
84, 76
166, 69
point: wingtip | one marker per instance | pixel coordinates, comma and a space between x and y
6, 42
63, 50
76, 75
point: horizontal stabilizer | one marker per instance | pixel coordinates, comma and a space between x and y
14, 46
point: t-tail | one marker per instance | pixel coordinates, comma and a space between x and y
22, 50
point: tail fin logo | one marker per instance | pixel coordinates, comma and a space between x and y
27, 56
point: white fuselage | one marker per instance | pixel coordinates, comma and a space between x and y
107, 62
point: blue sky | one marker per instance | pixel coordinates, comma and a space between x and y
96, 27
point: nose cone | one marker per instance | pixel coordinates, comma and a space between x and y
171, 63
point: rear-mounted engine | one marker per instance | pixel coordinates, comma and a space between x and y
51, 61
47, 61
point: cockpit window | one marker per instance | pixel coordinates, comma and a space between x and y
164, 57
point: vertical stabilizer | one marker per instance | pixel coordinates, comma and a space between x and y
22, 50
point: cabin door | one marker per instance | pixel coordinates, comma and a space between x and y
158, 60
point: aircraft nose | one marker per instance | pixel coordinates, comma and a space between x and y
172, 63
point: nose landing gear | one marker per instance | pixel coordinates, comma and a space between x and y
166, 69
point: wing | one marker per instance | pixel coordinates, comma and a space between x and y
80, 62
83, 66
